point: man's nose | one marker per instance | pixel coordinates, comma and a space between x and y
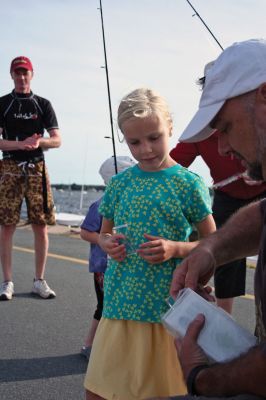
224, 147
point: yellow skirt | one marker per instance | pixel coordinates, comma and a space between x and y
133, 360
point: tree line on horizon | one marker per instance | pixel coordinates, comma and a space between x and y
77, 187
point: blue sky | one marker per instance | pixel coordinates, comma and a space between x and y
151, 43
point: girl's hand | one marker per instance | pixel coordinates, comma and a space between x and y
110, 244
157, 249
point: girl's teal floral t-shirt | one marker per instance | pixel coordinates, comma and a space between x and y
165, 203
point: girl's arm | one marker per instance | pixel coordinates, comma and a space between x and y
158, 249
205, 227
89, 236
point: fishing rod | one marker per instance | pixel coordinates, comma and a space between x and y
108, 87
206, 26
237, 176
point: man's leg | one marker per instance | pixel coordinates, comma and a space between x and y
226, 304
6, 239
41, 243
6, 236
229, 280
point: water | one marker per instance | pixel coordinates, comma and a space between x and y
68, 201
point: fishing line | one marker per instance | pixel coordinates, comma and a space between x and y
204, 23
108, 87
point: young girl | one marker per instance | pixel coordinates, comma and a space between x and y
133, 357
90, 229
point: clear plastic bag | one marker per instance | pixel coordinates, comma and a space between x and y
130, 248
221, 337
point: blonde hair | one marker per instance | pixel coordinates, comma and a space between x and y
142, 103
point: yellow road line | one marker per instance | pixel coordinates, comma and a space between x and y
52, 255
85, 262
248, 296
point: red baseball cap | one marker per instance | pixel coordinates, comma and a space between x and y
21, 62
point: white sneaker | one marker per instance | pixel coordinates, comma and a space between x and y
6, 290
41, 288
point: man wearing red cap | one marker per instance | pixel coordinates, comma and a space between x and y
24, 117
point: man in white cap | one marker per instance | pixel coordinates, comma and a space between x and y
232, 189
234, 103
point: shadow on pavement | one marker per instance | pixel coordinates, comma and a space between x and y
30, 295
38, 368
26, 295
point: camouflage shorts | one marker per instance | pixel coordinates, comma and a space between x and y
20, 181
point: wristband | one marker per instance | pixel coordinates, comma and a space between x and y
192, 377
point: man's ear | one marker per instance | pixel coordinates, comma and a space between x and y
261, 93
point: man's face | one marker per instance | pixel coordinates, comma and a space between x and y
243, 135
22, 78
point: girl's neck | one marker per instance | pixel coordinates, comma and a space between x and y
167, 163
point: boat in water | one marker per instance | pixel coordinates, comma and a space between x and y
69, 219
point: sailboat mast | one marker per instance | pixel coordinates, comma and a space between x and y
108, 88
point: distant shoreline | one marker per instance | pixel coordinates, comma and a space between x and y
75, 186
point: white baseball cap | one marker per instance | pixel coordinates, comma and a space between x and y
107, 169
239, 69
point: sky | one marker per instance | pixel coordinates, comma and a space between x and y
150, 43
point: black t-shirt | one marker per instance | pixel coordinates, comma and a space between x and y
260, 280
22, 115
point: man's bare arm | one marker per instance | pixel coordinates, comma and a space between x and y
245, 374
12, 145
51, 142
32, 142
238, 238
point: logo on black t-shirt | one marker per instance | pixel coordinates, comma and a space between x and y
26, 116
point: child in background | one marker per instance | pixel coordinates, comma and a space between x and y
133, 357
90, 229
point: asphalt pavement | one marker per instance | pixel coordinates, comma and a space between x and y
40, 339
